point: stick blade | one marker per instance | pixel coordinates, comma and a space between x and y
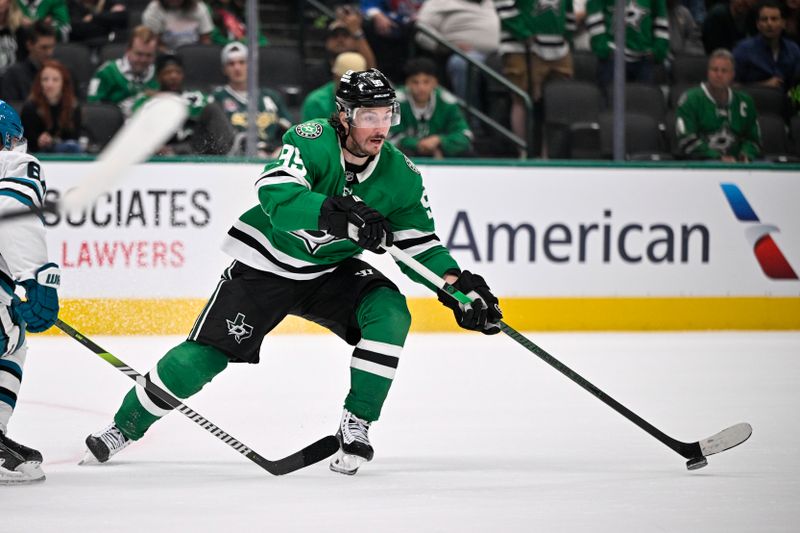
143, 134
311, 454
726, 439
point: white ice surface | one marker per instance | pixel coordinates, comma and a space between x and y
477, 435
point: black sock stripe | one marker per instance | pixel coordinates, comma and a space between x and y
374, 357
12, 371
8, 393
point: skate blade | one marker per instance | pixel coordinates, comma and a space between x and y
88, 459
24, 473
345, 463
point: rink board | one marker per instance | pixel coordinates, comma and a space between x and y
566, 248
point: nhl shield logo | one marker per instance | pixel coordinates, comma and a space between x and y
309, 130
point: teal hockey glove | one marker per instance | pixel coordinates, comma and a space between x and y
40, 308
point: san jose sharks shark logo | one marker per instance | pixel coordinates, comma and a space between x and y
239, 328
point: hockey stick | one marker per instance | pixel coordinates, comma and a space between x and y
144, 133
309, 455
695, 452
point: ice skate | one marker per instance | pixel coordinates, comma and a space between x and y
354, 446
18, 463
103, 445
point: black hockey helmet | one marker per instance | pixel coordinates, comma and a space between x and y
366, 88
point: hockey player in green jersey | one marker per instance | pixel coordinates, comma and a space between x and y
717, 122
336, 189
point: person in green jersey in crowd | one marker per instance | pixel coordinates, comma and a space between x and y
646, 38
206, 130
121, 81
321, 102
431, 123
54, 12
338, 188
273, 116
716, 122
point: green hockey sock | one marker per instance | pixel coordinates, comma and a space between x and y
182, 372
384, 320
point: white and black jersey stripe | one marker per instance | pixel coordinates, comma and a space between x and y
414, 242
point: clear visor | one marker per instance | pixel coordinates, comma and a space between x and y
376, 117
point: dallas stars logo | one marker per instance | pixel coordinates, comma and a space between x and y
239, 328
721, 140
634, 14
309, 130
314, 239
544, 5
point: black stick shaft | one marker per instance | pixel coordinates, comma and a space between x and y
307, 456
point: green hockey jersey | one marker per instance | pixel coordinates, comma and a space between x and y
196, 101
709, 131
56, 10
548, 23
320, 103
281, 235
441, 117
115, 83
273, 116
646, 28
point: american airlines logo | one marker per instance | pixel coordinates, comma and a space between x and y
769, 256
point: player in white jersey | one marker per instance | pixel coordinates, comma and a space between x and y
24, 271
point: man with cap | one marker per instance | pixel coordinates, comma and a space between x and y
206, 129
273, 117
344, 34
321, 102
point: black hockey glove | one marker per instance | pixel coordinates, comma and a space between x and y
483, 314
347, 217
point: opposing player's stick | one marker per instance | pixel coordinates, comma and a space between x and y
309, 455
695, 452
144, 133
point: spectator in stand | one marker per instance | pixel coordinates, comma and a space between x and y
121, 81
273, 118
51, 116
11, 19
228, 17
471, 25
769, 58
54, 12
40, 42
179, 22
696, 8
389, 27
544, 30
345, 34
727, 23
431, 123
684, 33
321, 102
96, 21
646, 38
206, 130
715, 121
